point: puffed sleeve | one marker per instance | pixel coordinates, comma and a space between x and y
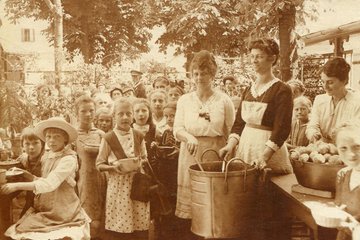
65, 169
313, 126
104, 153
283, 115
179, 123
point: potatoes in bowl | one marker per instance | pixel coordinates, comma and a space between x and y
316, 166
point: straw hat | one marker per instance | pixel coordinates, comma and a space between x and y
55, 122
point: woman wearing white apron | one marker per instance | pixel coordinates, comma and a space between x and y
262, 125
263, 120
203, 120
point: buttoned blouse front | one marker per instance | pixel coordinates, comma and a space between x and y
219, 107
325, 117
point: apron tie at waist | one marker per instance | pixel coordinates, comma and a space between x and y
262, 127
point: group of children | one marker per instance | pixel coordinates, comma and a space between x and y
75, 188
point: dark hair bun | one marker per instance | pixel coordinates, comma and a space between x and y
337, 67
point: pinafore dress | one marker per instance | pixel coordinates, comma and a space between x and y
254, 137
55, 214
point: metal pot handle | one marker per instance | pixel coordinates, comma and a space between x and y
226, 187
209, 150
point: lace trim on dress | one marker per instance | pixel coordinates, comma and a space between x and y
256, 94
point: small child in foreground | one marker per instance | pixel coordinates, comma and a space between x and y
124, 218
33, 148
348, 179
57, 212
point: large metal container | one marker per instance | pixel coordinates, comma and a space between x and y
315, 175
223, 202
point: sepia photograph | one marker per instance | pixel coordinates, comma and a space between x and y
180, 120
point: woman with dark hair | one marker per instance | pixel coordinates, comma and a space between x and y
229, 83
203, 120
262, 125
263, 120
336, 106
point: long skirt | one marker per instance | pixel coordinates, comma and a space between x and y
183, 204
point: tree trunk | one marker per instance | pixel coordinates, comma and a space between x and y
85, 43
58, 42
286, 26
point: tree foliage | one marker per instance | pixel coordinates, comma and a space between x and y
224, 27
14, 108
100, 30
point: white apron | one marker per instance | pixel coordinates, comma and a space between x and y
254, 137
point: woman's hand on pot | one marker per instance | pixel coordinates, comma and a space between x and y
225, 152
192, 144
267, 154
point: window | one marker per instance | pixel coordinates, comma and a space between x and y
27, 35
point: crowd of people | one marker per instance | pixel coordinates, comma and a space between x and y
77, 187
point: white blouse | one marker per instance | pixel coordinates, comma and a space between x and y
212, 118
325, 117
64, 171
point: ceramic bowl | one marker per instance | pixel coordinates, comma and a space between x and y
128, 164
329, 217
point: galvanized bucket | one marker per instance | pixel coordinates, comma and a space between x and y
223, 200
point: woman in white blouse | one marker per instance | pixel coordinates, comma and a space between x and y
203, 120
335, 107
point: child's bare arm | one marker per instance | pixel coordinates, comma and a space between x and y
103, 167
13, 187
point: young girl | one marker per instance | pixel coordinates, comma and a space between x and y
168, 165
91, 183
33, 148
144, 124
348, 179
297, 87
103, 100
175, 93
104, 119
161, 83
297, 137
158, 99
57, 212
125, 218
168, 138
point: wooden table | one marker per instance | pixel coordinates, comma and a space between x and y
6, 209
290, 203
5, 214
